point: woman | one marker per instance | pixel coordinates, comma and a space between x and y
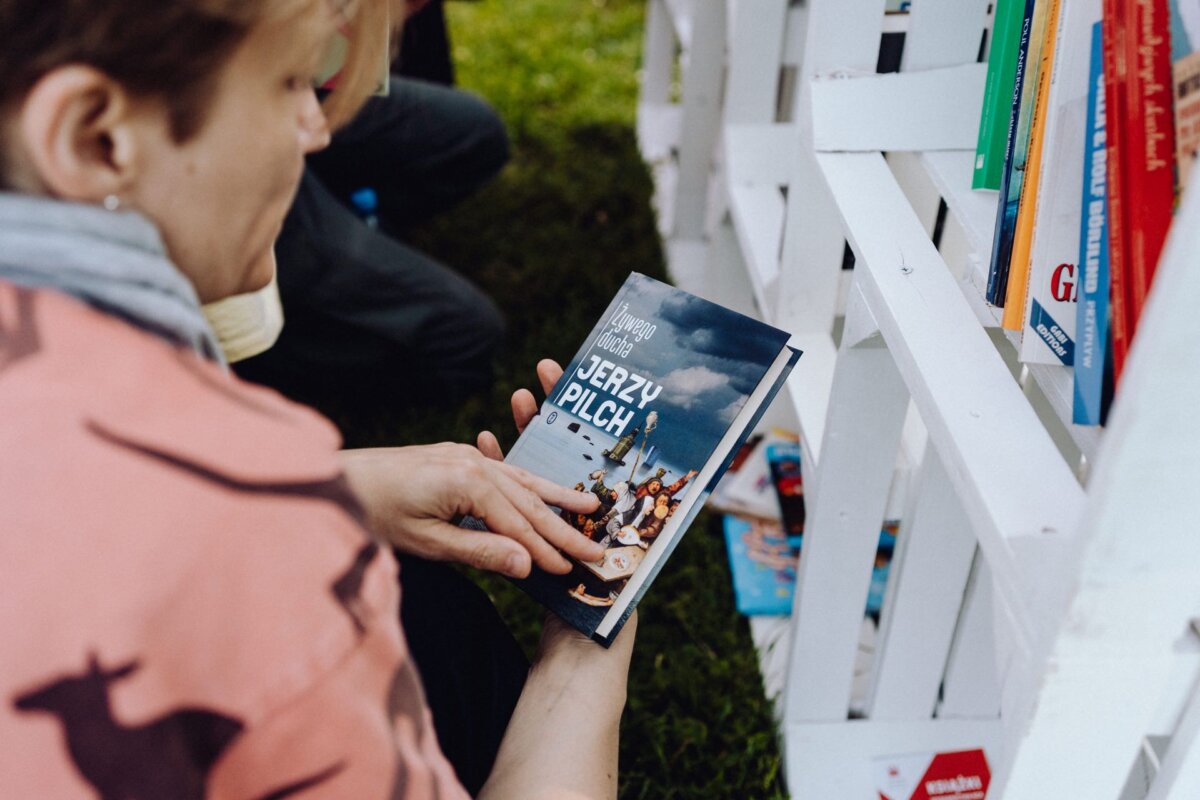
193, 604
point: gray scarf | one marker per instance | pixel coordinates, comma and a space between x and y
114, 261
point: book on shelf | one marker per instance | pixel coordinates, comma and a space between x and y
1185, 71
1018, 270
783, 459
1055, 271
1033, 28
997, 94
648, 415
1149, 157
747, 489
1116, 222
1093, 368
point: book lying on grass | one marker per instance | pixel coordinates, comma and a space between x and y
763, 560
648, 415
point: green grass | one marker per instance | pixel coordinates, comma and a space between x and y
551, 240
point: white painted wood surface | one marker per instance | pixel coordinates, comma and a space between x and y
934, 551
862, 435
971, 686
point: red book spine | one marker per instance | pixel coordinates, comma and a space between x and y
1113, 41
1150, 151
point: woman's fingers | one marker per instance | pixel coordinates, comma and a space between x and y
548, 372
490, 446
549, 527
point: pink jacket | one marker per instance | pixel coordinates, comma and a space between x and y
190, 605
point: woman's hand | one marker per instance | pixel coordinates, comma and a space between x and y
524, 407
412, 496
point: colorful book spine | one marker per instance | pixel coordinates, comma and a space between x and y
1028, 57
1116, 222
1054, 270
1018, 271
1150, 156
997, 94
1090, 400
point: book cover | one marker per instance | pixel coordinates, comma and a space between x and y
1018, 270
1028, 57
1090, 401
997, 94
783, 458
1149, 158
1185, 70
1116, 223
1054, 269
762, 560
648, 415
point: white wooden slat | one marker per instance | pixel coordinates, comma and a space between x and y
921, 192
725, 278
681, 14
971, 687
701, 101
761, 154
1179, 773
658, 54
755, 55
836, 761
962, 388
809, 386
1135, 588
934, 551
840, 36
757, 212
942, 33
950, 171
861, 438
924, 110
658, 127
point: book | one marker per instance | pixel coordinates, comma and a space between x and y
1016, 149
1018, 270
783, 459
1055, 273
1185, 71
762, 561
1092, 367
1116, 224
997, 94
661, 369
1149, 158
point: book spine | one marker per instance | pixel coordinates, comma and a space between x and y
997, 94
997, 273
1150, 155
1115, 221
1092, 320
1018, 279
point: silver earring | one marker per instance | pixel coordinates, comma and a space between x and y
112, 202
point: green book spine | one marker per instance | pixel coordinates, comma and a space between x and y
997, 94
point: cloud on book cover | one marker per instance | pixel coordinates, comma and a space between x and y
684, 387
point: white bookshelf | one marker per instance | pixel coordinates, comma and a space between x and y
1046, 574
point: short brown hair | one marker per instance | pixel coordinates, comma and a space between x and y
167, 49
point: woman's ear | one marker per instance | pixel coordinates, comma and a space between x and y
77, 130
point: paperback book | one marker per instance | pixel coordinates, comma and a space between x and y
648, 415
997, 94
1092, 361
1055, 272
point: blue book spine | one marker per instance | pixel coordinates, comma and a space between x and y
1092, 321
1006, 213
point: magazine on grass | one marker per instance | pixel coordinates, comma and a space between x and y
648, 415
